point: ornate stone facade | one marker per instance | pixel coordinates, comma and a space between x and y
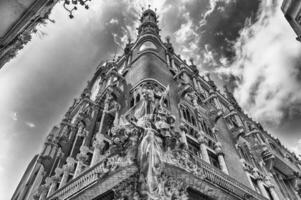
148, 126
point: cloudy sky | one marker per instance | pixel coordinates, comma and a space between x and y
245, 44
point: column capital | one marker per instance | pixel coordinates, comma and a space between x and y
48, 182
55, 179
218, 148
43, 188
257, 174
84, 149
201, 138
183, 127
98, 145
58, 171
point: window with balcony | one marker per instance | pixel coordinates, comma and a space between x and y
276, 149
269, 193
147, 45
232, 122
188, 115
206, 129
255, 185
193, 147
284, 184
243, 152
213, 159
189, 119
196, 195
106, 196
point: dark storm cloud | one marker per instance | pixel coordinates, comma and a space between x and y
224, 23
215, 26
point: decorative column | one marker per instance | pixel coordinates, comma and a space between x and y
272, 188
98, 146
216, 101
173, 66
202, 140
183, 140
67, 168
259, 180
220, 156
80, 133
43, 189
81, 157
54, 180
105, 109
235, 115
262, 188
167, 59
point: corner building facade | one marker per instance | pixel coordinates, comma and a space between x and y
148, 126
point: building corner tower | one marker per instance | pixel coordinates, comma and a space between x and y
148, 126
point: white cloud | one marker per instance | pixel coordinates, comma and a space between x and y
265, 51
14, 116
114, 21
30, 124
297, 148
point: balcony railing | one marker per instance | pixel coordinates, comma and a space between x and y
285, 161
210, 174
217, 177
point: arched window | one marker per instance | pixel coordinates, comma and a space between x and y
188, 115
276, 149
205, 128
147, 45
244, 153
189, 119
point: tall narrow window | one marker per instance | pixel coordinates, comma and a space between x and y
269, 193
255, 185
188, 118
213, 159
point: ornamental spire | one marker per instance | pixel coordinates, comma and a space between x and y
149, 22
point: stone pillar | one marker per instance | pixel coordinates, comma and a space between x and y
80, 133
262, 188
220, 156
235, 115
67, 168
167, 59
54, 180
273, 192
38, 180
98, 146
105, 109
183, 140
43, 191
204, 153
173, 64
81, 157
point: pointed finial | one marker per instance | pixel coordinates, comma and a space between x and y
167, 39
149, 6
208, 76
191, 61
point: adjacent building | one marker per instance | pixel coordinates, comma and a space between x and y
19, 20
148, 126
292, 13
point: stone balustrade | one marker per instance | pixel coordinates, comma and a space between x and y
86, 178
216, 176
